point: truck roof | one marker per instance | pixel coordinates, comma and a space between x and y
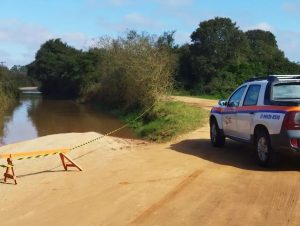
273, 78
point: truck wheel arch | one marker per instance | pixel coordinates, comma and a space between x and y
257, 128
213, 117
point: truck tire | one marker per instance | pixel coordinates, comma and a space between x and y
216, 136
264, 151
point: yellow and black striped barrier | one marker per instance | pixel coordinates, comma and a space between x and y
6, 166
34, 154
10, 174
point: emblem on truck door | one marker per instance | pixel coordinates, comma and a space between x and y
227, 120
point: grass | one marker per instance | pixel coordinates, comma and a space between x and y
166, 121
208, 96
182, 92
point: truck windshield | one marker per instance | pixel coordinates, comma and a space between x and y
284, 91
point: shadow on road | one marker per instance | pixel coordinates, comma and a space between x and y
235, 154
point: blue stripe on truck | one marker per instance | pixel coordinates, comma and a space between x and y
248, 111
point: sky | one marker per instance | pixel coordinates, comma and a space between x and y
26, 24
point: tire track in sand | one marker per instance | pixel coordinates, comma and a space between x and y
168, 197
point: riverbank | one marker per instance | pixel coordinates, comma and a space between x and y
166, 120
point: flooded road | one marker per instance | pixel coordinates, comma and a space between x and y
34, 117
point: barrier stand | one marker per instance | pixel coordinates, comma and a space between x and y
10, 167
70, 163
10, 173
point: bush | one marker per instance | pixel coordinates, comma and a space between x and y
135, 72
9, 91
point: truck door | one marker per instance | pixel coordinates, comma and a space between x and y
229, 114
245, 114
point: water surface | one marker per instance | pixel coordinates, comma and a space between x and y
34, 117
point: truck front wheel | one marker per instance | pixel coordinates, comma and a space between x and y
216, 137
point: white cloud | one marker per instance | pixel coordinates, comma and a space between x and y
109, 3
117, 2
75, 39
135, 20
4, 56
140, 21
262, 26
182, 37
289, 41
176, 3
13, 31
22, 40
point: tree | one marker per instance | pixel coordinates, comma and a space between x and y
216, 44
19, 69
167, 39
61, 69
265, 54
184, 77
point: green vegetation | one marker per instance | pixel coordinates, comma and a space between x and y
60, 69
221, 57
9, 91
132, 72
135, 72
19, 75
166, 121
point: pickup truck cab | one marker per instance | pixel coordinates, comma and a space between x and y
264, 111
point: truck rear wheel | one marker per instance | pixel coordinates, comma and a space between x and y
216, 137
264, 151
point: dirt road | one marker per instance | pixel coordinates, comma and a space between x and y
124, 182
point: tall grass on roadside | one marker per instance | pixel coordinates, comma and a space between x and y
167, 120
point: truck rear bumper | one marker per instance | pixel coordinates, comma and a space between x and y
287, 139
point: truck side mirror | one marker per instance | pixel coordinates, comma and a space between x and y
222, 102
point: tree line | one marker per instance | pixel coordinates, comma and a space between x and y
135, 70
128, 72
221, 56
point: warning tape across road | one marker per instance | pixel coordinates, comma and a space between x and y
114, 131
45, 153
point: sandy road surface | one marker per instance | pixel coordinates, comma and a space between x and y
125, 182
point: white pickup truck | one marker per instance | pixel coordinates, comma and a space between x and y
263, 111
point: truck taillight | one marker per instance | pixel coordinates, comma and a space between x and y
294, 143
292, 121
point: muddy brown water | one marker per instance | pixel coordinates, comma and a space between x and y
34, 116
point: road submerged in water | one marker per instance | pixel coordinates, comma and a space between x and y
35, 117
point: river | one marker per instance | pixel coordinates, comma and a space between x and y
34, 116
